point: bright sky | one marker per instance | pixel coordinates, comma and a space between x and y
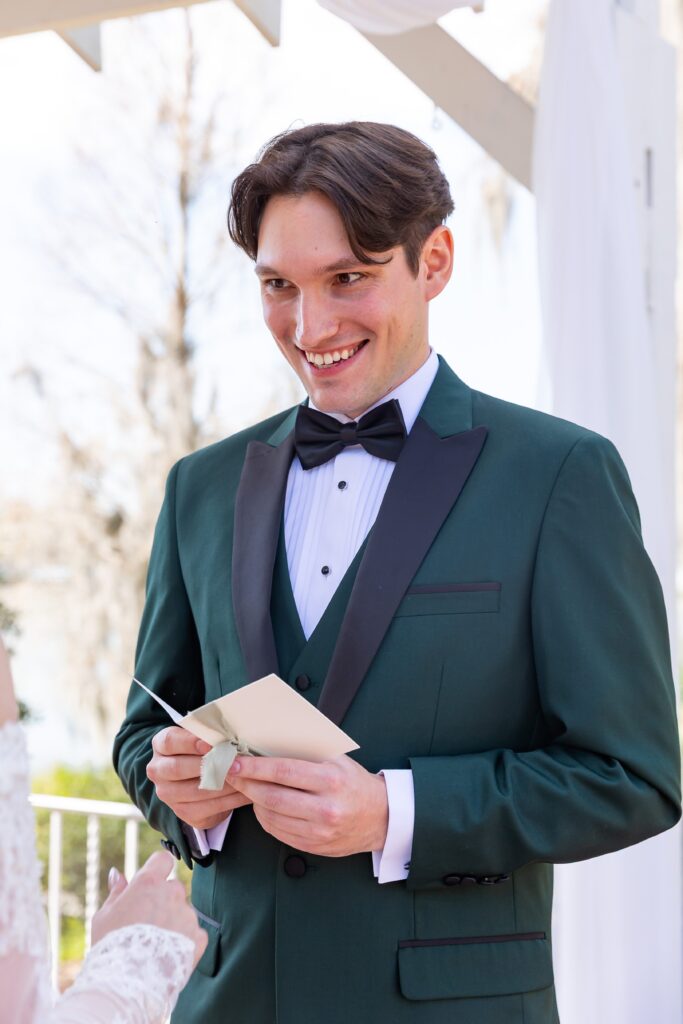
486, 324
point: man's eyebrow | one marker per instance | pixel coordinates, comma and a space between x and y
263, 270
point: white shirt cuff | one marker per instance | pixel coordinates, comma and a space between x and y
211, 838
393, 862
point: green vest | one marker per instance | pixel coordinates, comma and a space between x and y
298, 657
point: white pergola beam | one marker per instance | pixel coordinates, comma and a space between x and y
42, 15
87, 43
65, 15
495, 116
265, 16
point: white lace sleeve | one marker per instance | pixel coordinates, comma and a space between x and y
131, 976
24, 964
22, 920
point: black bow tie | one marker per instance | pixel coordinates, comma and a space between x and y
319, 437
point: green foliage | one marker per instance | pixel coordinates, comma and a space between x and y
72, 939
91, 784
9, 626
26, 714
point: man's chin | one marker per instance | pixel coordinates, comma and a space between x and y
329, 401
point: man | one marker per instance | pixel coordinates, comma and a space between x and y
459, 582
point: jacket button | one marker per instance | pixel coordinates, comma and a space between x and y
171, 847
295, 866
452, 879
302, 683
469, 879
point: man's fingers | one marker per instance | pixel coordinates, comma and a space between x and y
188, 791
302, 840
284, 771
174, 740
282, 824
294, 803
175, 767
171, 770
198, 810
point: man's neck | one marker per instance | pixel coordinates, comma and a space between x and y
410, 393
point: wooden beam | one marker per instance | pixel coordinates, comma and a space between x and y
484, 106
87, 43
42, 15
265, 15
64, 15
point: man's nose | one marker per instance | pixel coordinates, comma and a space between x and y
315, 323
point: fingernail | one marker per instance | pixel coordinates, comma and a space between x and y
234, 767
113, 877
202, 747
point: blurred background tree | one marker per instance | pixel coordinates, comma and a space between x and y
147, 247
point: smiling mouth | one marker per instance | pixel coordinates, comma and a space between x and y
324, 360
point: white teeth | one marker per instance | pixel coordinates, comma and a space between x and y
327, 358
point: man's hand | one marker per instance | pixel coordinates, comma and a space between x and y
175, 770
332, 809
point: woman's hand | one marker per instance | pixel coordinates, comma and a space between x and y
150, 898
8, 704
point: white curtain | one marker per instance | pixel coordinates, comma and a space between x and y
617, 920
617, 923
386, 17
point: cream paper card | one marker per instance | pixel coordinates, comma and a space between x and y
266, 718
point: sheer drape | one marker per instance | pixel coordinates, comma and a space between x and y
617, 918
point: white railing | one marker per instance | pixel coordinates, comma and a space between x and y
94, 810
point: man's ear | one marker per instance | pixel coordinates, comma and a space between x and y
436, 261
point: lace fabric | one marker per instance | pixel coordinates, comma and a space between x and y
132, 976
140, 969
22, 921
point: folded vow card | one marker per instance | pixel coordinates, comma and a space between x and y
266, 718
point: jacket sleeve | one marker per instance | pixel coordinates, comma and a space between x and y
168, 661
603, 772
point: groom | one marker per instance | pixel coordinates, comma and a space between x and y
459, 582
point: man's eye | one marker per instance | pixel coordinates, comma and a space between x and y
349, 277
276, 283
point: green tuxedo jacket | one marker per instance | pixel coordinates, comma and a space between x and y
502, 633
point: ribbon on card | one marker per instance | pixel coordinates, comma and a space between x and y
218, 762
278, 721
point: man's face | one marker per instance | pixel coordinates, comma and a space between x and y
352, 331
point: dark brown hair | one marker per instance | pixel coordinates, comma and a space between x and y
385, 183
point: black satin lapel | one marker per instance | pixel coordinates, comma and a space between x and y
258, 512
425, 485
